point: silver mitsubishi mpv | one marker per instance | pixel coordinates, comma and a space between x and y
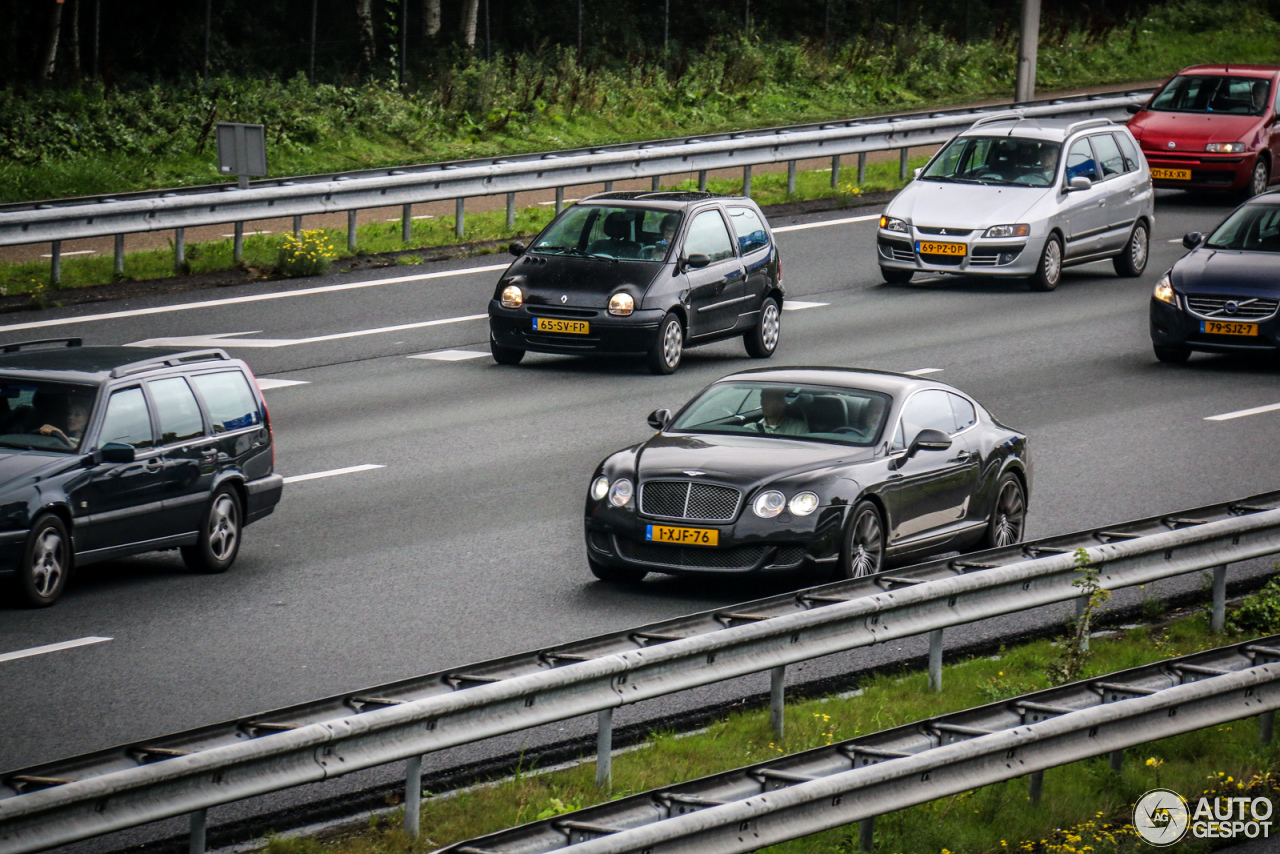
1001, 199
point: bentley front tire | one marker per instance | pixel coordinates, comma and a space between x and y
1009, 516
863, 551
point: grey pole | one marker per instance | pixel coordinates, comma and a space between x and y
55, 264
902, 164
1028, 41
777, 698
237, 246
608, 186
862, 168
935, 661
604, 749
208, 27
412, 796
404, 38
867, 834
1036, 786
746, 181
1266, 726
351, 231
702, 181
1117, 761
197, 839
297, 226
406, 222
459, 211
791, 177
559, 200
1219, 599
835, 171
1081, 603
119, 252
179, 249
655, 184
746, 18
511, 211
311, 63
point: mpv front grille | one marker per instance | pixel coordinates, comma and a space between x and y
898, 251
683, 499
945, 232
1246, 308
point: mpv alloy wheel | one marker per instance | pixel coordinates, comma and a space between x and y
1132, 261
1050, 270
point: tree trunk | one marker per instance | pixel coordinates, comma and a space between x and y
364, 21
431, 18
467, 27
48, 60
74, 46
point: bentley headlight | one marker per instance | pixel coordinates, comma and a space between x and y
769, 504
803, 503
512, 296
622, 304
892, 223
1225, 148
600, 488
620, 493
1164, 291
1020, 229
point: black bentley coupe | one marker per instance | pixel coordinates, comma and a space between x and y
779, 469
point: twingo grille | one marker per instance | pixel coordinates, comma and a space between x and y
691, 557
1247, 308
683, 499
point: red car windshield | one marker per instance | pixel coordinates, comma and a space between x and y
1214, 93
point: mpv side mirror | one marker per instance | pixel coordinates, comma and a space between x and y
1133, 109
916, 174
115, 452
929, 440
696, 261
1192, 239
516, 248
1078, 183
659, 419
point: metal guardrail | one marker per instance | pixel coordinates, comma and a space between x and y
99, 216
90, 795
856, 780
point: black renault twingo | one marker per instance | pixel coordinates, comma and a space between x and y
642, 274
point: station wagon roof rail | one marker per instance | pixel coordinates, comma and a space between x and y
66, 342
169, 362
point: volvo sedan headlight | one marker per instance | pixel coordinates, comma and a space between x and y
512, 296
600, 488
620, 493
1164, 291
622, 304
769, 504
1020, 229
803, 503
1225, 148
892, 223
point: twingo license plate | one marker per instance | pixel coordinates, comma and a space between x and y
1171, 174
682, 536
1218, 327
926, 247
554, 324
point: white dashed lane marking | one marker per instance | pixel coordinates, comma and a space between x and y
919, 372
53, 647
266, 383
1257, 410
802, 226
801, 305
450, 355
316, 475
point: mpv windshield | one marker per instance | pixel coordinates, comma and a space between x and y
1190, 93
43, 416
846, 416
615, 233
1004, 160
1253, 228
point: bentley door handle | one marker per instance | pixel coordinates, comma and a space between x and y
961, 457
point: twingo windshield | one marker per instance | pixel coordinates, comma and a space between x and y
43, 416
1003, 160
1253, 228
601, 231
1217, 93
845, 416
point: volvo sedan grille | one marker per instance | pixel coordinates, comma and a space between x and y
683, 499
1220, 308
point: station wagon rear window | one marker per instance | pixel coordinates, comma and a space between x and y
229, 400
814, 413
610, 233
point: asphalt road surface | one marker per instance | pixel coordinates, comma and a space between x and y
447, 527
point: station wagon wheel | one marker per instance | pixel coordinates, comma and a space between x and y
1049, 273
668, 349
863, 552
46, 562
219, 535
1008, 516
763, 339
1260, 179
1133, 260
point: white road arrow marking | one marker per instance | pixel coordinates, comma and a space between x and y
1241, 413
231, 339
316, 475
266, 383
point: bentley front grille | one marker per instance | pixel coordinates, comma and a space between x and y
683, 499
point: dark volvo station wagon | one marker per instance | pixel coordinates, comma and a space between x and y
111, 451
642, 274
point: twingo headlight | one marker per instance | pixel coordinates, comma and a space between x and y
620, 493
600, 488
892, 223
1019, 229
1164, 291
803, 503
769, 504
1225, 148
622, 304
512, 296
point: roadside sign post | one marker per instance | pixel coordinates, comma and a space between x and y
242, 151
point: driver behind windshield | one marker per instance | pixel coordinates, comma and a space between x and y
66, 418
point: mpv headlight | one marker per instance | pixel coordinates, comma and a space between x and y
1020, 229
892, 223
803, 503
769, 504
512, 297
1164, 291
1225, 148
622, 304
620, 493
600, 488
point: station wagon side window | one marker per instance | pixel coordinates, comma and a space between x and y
708, 236
750, 230
228, 399
1109, 156
177, 410
926, 410
1081, 162
128, 420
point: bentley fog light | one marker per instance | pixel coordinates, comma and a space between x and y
1164, 291
803, 503
620, 493
1020, 229
892, 223
1225, 148
769, 504
600, 488
512, 297
621, 304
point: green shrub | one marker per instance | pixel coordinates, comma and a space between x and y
306, 253
1259, 614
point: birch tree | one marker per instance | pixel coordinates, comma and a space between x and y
467, 27
431, 18
364, 27
48, 59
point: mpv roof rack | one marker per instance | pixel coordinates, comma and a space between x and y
999, 117
1088, 123
66, 342
169, 362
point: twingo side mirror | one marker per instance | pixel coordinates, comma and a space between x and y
115, 452
929, 440
1078, 183
696, 261
1133, 109
516, 248
916, 174
659, 419
1192, 239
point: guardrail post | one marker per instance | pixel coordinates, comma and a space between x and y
412, 796
237, 245
511, 211
1036, 787
791, 177
902, 164
867, 834
1219, 620
351, 231
459, 211
55, 262
118, 269
777, 697
406, 223
297, 226
1117, 761
1266, 726
746, 181
935, 661
1082, 602
604, 749
179, 249
608, 186
656, 184
835, 171
559, 200
862, 168
702, 181
197, 839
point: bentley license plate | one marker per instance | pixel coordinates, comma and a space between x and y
1217, 327
682, 536
553, 324
929, 248
1171, 174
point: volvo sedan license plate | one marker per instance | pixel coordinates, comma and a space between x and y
682, 536
1217, 327
929, 248
553, 324
1171, 174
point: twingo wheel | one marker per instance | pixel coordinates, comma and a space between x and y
896, 277
1259, 179
219, 541
614, 574
668, 349
1008, 516
1172, 355
1049, 272
505, 355
863, 551
1133, 260
46, 562
763, 339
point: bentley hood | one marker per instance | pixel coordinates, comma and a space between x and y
740, 460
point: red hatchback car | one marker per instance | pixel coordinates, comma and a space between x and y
1212, 127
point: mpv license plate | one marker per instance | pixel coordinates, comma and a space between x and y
683, 536
1217, 327
553, 324
1171, 174
928, 248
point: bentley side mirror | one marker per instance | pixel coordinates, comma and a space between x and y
659, 419
1192, 239
1078, 183
516, 248
116, 452
1133, 109
928, 440
696, 261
